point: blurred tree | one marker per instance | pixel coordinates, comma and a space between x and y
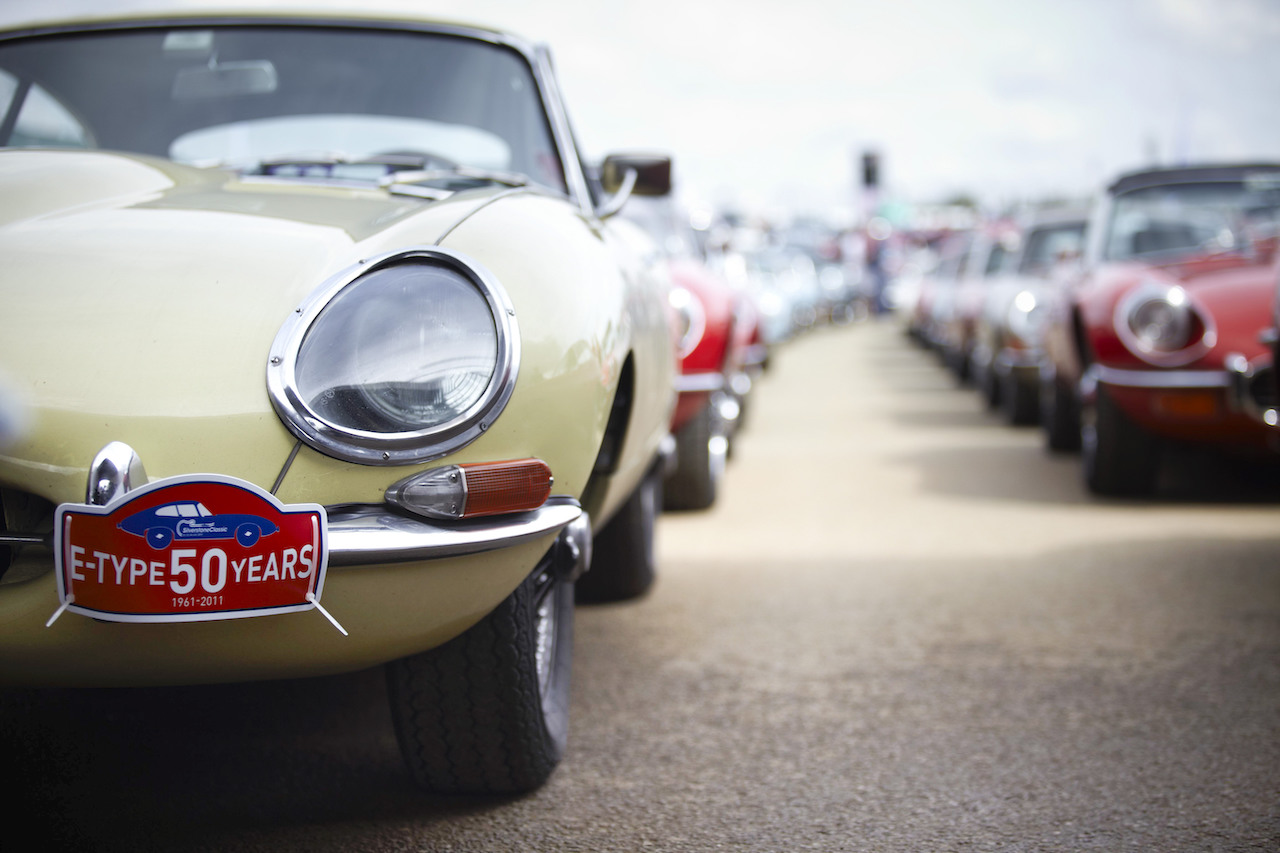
962, 200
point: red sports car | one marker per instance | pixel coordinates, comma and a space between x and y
1155, 341
719, 348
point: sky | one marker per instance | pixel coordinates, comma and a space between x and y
768, 105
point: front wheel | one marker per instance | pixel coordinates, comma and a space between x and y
701, 451
957, 361
623, 563
1120, 459
1059, 414
1020, 400
988, 382
488, 712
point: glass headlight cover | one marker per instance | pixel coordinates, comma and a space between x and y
409, 347
402, 358
1159, 324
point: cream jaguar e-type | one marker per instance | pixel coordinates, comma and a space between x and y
322, 352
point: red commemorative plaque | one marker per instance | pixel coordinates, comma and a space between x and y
190, 549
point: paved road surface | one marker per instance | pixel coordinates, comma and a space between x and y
904, 628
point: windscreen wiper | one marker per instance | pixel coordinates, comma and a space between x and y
453, 179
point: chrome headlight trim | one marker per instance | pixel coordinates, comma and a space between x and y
1151, 294
410, 446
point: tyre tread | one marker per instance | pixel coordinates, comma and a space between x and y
469, 715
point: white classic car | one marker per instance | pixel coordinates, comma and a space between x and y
344, 284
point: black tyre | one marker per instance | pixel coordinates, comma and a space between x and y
964, 365
988, 382
488, 712
957, 361
741, 423
623, 564
1059, 415
700, 458
1120, 459
1020, 400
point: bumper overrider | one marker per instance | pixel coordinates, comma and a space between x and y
1252, 388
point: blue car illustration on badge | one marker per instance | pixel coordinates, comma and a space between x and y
163, 524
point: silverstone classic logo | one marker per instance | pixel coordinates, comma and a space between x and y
161, 525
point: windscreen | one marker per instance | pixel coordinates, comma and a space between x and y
1048, 245
1179, 219
239, 96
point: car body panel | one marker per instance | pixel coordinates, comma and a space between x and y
388, 611
277, 261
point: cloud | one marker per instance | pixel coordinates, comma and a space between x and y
999, 98
1225, 26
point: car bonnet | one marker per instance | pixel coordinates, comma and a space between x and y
142, 299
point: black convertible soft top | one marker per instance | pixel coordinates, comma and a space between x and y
1187, 175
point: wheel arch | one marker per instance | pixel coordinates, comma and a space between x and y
613, 441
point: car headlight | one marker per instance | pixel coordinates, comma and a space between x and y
690, 319
401, 358
1159, 324
1026, 319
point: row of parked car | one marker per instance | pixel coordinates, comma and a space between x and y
326, 350
1145, 321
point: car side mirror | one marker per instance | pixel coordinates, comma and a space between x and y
624, 175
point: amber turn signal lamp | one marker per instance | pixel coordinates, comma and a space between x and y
475, 489
1187, 404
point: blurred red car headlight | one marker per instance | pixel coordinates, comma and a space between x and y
1160, 325
691, 320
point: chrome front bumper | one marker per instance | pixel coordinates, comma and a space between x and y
693, 383
367, 534
1157, 378
1249, 385
372, 535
